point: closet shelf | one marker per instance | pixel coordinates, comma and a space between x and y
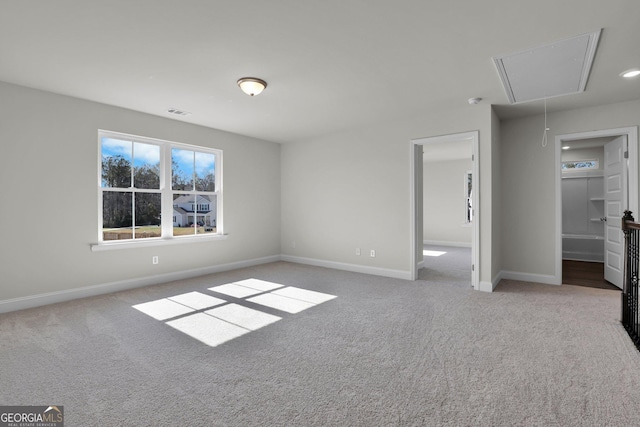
597, 199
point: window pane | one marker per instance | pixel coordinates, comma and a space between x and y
207, 214
116, 163
135, 179
148, 208
205, 171
146, 166
182, 162
184, 215
580, 164
194, 214
116, 215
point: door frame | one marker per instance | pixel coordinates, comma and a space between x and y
632, 179
473, 136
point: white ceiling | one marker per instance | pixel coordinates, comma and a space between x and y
330, 65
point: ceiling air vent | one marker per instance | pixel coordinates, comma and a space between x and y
560, 68
178, 112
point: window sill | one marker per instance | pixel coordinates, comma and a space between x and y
145, 243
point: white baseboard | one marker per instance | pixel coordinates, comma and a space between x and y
444, 243
485, 286
376, 271
490, 286
105, 288
528, 277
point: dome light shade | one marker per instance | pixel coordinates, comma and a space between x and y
251, 85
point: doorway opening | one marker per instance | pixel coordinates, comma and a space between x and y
596, 181
444, 197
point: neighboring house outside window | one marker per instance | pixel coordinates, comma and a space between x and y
157, 189
188, 211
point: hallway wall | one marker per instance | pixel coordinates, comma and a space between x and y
528, 184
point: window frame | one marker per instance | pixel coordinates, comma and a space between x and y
166, 191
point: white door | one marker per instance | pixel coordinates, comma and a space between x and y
615, 188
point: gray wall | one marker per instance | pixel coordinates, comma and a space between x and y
444, 202
352, 189
528, 184
49, 192
317, 199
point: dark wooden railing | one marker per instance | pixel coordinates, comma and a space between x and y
630, 291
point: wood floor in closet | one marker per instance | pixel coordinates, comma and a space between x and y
581, 273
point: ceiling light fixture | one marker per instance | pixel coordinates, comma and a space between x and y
629, 74
566, 147
251, 85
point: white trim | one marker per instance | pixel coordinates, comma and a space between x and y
145, 243
632, 170
490, 286
414, 264
530, 277
376, 271
588, 55
486, 286
474, 136
106, 288
444, 243
583, 174
39, 300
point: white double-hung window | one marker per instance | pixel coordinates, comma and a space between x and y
153, 189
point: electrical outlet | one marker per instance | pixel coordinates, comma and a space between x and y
154, 259
373, 253
358, 251
293, 244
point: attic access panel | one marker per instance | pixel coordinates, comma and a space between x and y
560, 68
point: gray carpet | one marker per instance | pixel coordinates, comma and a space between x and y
453, 266
385, 352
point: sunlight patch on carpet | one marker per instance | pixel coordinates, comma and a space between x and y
304, 295
432, 253
214, 321
235, 291
261, 285
244, 317
290, 305
163, 309
197, 300
208, 329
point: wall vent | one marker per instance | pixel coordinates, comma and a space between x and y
560, 68
178, 112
